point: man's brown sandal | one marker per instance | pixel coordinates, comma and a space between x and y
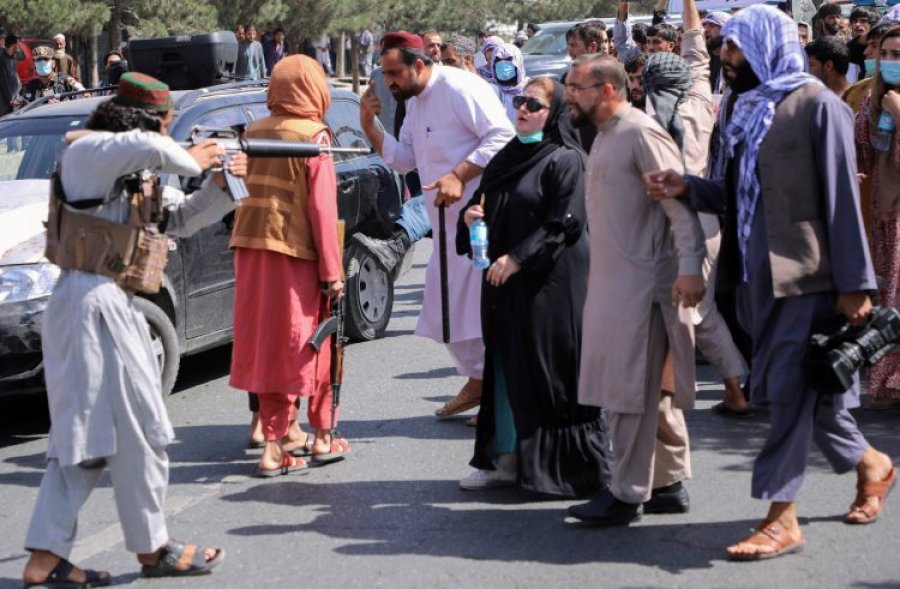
465, 400
768, 535
866, 490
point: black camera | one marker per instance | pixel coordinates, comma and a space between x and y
837, 349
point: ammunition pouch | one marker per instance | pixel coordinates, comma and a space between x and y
133, 253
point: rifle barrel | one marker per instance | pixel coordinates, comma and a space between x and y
279, 148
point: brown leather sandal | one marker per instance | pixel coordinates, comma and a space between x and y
467, 398
866, 490
769, 535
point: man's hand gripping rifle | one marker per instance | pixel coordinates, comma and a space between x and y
231, 141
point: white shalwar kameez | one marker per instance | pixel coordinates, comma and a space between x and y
103, 380
456, 118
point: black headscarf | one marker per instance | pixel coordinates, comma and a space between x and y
517, 157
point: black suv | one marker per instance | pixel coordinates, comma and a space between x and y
193, 311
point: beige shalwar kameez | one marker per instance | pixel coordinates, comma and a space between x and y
629, 319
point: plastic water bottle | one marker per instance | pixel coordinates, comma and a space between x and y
884, 132
478, 239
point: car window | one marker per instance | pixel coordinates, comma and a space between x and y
29, 148
230, 118
258, 110
343, 119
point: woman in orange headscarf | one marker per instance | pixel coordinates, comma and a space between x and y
287, 262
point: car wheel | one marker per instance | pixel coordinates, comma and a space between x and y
164, 340
369, 290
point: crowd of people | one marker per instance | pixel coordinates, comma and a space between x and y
695, 187
712, 112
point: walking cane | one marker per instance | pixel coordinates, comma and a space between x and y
442, 252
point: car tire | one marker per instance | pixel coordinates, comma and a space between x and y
164, 340
369, 291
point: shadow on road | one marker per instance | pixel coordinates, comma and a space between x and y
401, 517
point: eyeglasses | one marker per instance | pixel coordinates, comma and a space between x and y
531, 104
575, 87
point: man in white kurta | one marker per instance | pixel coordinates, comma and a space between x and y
453, 127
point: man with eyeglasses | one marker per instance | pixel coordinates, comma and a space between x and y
646, 261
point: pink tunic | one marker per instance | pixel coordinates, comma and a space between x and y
278, 303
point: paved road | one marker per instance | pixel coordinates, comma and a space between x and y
393, 516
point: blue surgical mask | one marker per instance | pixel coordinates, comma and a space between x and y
890, 71
504, 71
535, 137
870, 66
43, 67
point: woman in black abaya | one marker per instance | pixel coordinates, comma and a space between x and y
531, 429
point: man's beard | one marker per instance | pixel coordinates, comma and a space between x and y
831, 29
580, 118
639, 101
402, 93
744, 79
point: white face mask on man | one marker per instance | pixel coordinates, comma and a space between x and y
43, 67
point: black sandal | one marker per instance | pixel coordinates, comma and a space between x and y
170, 556
59, 578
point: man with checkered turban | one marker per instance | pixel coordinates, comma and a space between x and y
795, 249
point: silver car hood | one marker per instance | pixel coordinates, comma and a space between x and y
23, 210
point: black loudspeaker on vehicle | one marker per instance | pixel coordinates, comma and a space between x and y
838, 350
187, 62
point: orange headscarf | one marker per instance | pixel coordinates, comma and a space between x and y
298, 87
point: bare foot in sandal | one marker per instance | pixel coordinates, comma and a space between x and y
177, 559
779, 534
327, 449
44, 568
875, 479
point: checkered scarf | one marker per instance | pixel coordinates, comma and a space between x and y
771, 45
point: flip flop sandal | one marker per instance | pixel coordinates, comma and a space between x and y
288, 464
864, 490
340, 448
59, 578
171, 555
304, 451
724, 410
769, 535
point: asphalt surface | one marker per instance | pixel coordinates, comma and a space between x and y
392, 514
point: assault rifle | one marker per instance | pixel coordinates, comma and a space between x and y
333, 327
231, 141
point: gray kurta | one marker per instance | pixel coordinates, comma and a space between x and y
91, 326
633, 265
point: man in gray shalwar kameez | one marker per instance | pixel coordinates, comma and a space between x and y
103, 379
795, 246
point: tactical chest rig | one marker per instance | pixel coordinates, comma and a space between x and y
133, 253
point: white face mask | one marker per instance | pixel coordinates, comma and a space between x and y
44, 67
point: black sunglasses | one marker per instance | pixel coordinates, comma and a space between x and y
531, 104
